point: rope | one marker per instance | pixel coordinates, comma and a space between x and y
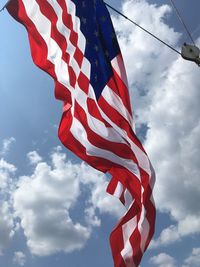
181, 20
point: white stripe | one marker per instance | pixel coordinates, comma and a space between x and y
43, 26
96, 125
54, 55
107, 133
143, 227
66, 34
118, 65
142, 158
115, 102
128, 199
80, 134
71, 8
118, 190
127, 252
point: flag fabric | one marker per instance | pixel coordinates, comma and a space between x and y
74, 41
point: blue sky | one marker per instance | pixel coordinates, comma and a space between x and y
53, 208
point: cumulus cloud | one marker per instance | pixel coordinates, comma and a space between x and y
34, 157
194, 259
6, 144
163, 260
41, 204
6, 225
7, 172
43, 201
173, 144
145, 58
168, 235
91, 217
19, 258
165, 95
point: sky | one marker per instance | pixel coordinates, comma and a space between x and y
54, 210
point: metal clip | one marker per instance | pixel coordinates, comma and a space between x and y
191, 52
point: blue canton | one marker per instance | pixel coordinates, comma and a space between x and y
101, 41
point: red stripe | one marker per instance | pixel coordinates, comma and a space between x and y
112, 186
117, 245
94, 111
73, 38
13, 9
61, 93
39, 50
120, 149
118, 86
76, 147
149, 206
129, 181
83, 82
119, 120
116, 237
48, 11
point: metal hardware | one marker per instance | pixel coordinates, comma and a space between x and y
191, 52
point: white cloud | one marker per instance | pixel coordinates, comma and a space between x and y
194, 259
6, 225
34, 157
7, 171
167, 236
43, 201
19, 258
173, 145
165, 95
91, 217
6, 144
163, 260
145, 58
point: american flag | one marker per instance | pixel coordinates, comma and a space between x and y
74, 41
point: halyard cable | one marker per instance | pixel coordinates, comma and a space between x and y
181, 20
121, 14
